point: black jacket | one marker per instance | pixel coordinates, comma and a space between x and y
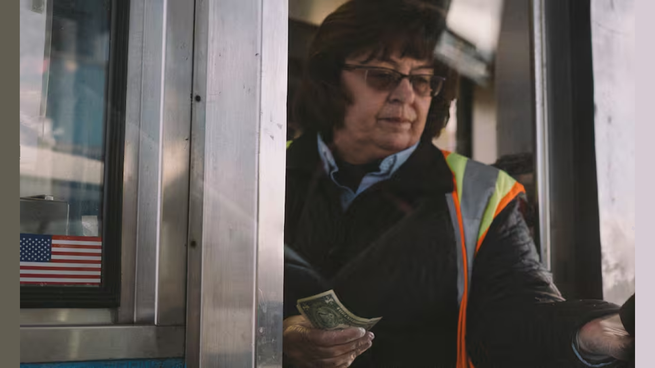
392, 254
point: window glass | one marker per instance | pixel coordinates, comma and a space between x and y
64, 62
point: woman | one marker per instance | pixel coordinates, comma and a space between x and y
369, 206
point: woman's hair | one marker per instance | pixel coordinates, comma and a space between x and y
375, 28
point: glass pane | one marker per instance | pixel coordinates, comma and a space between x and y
614, 94
64, 57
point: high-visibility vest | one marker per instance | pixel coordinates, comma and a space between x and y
481, 193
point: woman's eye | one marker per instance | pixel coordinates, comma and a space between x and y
422, 81
380, 78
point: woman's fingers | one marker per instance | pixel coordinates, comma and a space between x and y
345, 360
308, 347
339, 350
336, 337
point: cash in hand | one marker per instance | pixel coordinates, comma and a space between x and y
326, 312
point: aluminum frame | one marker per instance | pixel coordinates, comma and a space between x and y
542, 143
59, 344
66, 316
237, 184
163, 108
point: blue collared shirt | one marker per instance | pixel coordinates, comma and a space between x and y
388, 166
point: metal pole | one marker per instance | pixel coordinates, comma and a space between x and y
541, 128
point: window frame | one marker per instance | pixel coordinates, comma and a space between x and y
566, 157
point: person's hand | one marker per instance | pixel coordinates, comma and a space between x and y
307, 347
606, 336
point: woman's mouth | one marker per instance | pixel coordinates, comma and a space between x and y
396, 120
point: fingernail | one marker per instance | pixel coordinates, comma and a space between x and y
362, 331
371, 335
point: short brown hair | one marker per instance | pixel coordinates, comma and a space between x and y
376, 27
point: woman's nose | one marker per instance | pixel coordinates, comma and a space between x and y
404, 92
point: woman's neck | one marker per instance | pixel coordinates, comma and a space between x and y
356, 153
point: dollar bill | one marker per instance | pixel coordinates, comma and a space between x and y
326, 312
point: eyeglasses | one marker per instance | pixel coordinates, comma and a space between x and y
384, 79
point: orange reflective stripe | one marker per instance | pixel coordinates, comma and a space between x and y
515, 191
462, 355
480, 240
461, 325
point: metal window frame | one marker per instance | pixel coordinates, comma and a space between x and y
542, 143
237, 184
87, 343
149, 323
566, 158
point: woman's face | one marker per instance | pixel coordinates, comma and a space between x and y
379, 123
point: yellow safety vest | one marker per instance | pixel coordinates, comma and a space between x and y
481, 193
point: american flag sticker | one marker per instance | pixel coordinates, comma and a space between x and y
60, 260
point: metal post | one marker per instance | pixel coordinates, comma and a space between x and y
541, 128
235, 280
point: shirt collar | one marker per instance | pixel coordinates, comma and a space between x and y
387, 167
425, 173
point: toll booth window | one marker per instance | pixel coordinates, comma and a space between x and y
70, 152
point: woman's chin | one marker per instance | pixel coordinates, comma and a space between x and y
397, 143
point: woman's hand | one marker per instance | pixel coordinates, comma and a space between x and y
307, 347
606, 336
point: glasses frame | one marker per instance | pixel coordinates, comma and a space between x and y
400, 77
